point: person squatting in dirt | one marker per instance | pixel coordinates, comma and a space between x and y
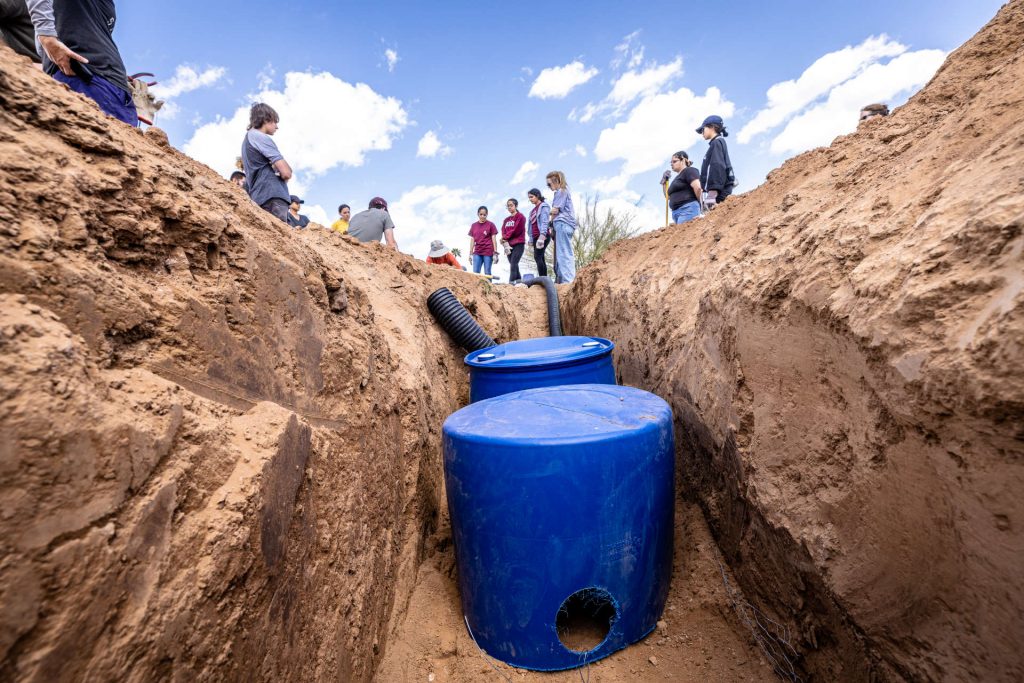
442, 256
684, 192
513, 238
77, 43
373, 224
266, 170
716, 174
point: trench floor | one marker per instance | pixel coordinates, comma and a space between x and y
701, 639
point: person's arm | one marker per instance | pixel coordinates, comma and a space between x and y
283, 169
557, 202
543, 218
60, 54
389, 237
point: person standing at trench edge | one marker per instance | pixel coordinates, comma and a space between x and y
684, 191
539, 218
483, 242
563, 223
78, 50
716, 174
267, 171
513, 235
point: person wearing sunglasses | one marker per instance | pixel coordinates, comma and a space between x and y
563, 223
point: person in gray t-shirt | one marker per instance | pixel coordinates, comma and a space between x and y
374, 223
266, 171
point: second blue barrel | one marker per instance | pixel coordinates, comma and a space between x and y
561, 504
540, 362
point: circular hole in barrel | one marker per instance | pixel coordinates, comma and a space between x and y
585, 618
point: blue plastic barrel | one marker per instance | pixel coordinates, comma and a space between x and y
541, 362
561, 504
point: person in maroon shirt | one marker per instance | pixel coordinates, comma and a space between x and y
513, 236
483, 243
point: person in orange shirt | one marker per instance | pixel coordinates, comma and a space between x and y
440, 255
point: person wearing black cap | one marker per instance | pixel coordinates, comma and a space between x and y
374, 223
296, 219
716, 174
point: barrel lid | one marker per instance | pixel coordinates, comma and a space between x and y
572, 413
540, 352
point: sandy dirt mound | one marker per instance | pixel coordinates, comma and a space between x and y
844, 351
220, 445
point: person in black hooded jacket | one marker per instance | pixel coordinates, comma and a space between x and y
716, 174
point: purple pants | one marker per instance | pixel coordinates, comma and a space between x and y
112, 100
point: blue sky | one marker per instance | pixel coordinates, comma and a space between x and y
477, 95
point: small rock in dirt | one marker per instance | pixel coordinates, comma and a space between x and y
653, 660
662, 625
430, 677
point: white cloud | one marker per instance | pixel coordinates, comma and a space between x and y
581, 150
628, 53
186, 79
658, 126
558, 81
524, 172
431, 212
431, 146
316, 213
788, 97
325, 122
628, 87
649, 81
820, 124
391, 56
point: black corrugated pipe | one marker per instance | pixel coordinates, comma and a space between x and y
457, 321
554, 318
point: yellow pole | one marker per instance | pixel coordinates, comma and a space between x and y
664, 188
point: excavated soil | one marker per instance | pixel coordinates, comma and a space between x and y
220, 438
843, 348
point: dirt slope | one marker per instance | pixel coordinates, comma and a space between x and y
844, 351
220, 447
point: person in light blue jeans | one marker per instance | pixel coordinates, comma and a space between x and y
563, 222
684, 192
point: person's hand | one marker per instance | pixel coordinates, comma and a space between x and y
554, 211
496, 259
712, 199
60, 54
540, 242
508, 251
665, 176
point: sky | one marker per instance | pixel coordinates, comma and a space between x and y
443, 107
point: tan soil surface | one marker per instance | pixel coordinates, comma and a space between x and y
843, 348
219, 437
699, 638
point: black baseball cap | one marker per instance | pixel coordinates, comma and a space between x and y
296, 200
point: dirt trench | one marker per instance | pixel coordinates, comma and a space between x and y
220, 438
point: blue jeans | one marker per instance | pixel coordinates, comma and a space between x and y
565, 260
484, 261
112, 100
686, 212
